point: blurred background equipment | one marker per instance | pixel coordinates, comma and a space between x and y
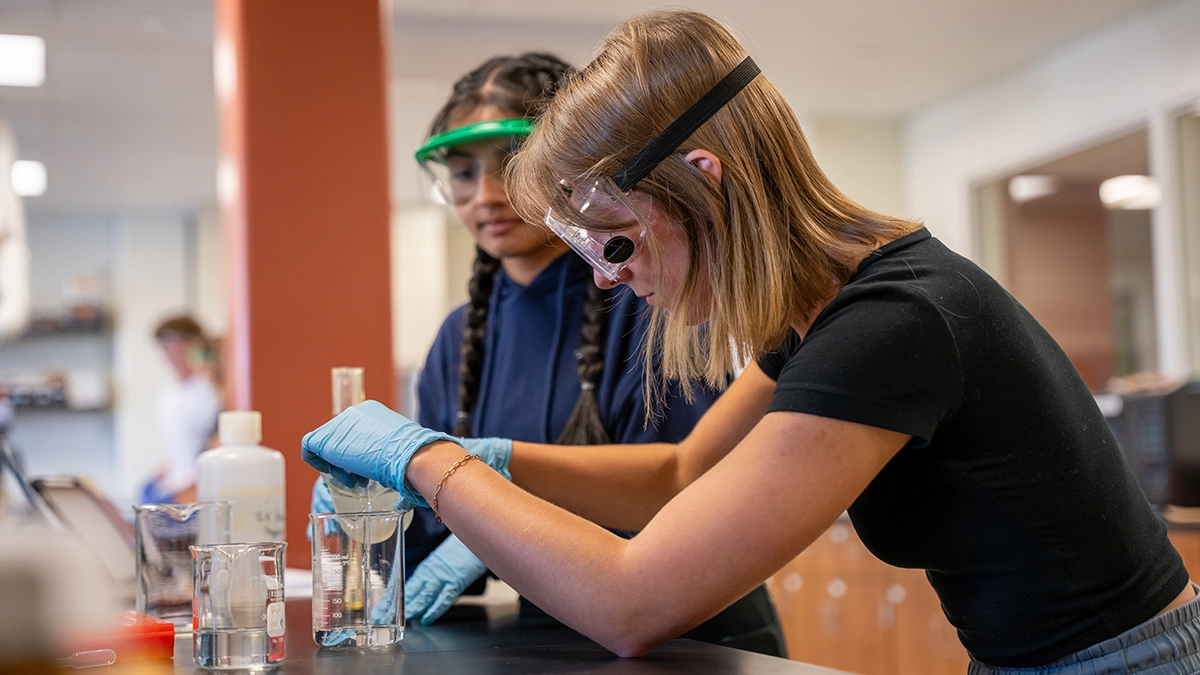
53, 591
1156, 421
14, 250
164, 564
91, 518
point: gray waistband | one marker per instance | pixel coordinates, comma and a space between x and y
1171, 637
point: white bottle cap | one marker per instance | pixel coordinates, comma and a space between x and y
239, 427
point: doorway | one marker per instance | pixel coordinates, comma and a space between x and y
1071, 240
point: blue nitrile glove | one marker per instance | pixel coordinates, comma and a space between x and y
439, 580
321, 502
368, 441
495, 452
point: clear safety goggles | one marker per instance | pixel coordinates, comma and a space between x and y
604, 225
457, 161
604, 219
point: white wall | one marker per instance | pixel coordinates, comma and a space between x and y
1133, 73
207, 288
419, 282
151, 283
863, 157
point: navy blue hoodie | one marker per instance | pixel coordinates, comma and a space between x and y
530, 382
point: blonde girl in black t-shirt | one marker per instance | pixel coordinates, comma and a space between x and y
888, 377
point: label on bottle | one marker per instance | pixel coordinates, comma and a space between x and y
257, 514
275, 621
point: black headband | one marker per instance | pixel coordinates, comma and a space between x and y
678, 131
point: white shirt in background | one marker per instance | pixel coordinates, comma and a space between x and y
187, 418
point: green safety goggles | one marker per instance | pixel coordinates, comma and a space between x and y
457, 160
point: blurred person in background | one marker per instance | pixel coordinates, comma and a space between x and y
539, 352
187, 409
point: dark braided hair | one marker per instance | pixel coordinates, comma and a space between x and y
483, 277
522, 85
585, 426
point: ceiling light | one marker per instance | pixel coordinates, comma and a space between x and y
229, 182
224, 69
1130, 192
28, 178
1028, 188
22, 60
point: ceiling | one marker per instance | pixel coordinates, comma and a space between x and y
126, 118
842, 57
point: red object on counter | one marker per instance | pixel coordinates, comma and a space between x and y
133, 637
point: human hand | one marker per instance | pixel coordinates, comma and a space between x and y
495, 452
369, 442
439, 580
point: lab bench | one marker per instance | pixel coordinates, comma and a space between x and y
466, 640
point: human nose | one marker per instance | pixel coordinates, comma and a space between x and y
606, 283
490, 189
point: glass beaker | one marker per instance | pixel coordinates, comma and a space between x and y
239, 612
358, 578
163, 533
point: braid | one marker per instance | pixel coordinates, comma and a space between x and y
585, 427
521, 84
470, 366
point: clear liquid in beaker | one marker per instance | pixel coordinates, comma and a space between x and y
232, 648
362, 637
238, 605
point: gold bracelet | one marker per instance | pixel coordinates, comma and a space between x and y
438, 490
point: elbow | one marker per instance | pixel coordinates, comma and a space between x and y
635, 632
631, 651
631, 644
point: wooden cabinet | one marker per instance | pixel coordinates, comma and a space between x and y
843, 608
1187, 541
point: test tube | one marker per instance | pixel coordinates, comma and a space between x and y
347, 388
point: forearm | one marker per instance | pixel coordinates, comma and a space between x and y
624, 486
571, 568
617, 486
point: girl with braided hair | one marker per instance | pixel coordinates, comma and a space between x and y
539, 352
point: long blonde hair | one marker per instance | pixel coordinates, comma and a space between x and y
767, 246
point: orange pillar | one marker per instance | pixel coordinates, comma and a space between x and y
303, 181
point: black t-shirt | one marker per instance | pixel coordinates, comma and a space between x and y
1012, 494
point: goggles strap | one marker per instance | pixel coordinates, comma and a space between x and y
678, 131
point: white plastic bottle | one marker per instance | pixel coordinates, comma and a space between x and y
247, 474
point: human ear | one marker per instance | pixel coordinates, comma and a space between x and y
706, 162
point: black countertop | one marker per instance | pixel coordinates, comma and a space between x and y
466, 640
